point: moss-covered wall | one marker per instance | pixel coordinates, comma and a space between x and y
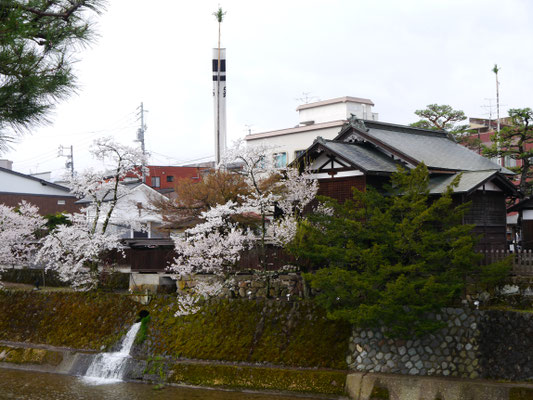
258, 332
30, 356
259, 378
290, 334
89, 320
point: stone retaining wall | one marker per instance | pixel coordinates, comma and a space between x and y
474, 344
285, 286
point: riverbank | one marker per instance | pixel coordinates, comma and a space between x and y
274, 382
239, 344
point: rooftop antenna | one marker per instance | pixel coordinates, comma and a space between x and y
248, 128
489, 107
306, 99
220, 86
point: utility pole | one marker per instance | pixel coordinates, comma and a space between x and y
140, 137
70, 158
496, 70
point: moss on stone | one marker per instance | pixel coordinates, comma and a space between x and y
259, 378
280, 333
89, 320
16, 355
520, 394
262, 332
379, 393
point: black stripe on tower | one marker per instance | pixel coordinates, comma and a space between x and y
222, 78
222, 65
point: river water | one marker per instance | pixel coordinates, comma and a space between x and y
25, 385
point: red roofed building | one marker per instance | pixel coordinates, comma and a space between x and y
165, 177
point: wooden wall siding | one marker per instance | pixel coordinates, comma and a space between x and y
488, 213
142, 259
491, 237
341, 188
527, 234
47, 204
486, 209
276, 258
158, 259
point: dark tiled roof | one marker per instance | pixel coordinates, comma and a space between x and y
470, 180
435, 148
361, 155
524, 204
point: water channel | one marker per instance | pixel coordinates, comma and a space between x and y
25, 385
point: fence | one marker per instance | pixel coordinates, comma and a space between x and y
522, 260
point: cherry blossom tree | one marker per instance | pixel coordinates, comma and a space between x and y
215, 245
18, 228
74, 251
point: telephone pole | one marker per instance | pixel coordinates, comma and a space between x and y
70, 158
496, 70
140, 137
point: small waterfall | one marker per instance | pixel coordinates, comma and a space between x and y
109, 367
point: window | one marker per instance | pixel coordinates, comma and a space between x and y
156, 181
61, 202
170, 178
298, 153
280, 160
509, 161
140, 234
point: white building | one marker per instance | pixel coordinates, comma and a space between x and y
321, 118
132, 209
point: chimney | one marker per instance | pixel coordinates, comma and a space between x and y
7, 164
219, 96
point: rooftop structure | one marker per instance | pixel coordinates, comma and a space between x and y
322, 118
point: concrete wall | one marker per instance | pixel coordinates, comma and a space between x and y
292, 142
360, 386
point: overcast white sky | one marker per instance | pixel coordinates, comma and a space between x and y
402, 55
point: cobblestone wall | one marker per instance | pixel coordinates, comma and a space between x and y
474, 344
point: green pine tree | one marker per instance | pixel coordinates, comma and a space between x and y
514, 141
37, 44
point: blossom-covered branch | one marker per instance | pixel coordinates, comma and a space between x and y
18, 228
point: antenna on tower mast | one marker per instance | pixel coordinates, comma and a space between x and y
219, 90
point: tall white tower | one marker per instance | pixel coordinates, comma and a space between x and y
219, 96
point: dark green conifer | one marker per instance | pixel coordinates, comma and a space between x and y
389, 259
